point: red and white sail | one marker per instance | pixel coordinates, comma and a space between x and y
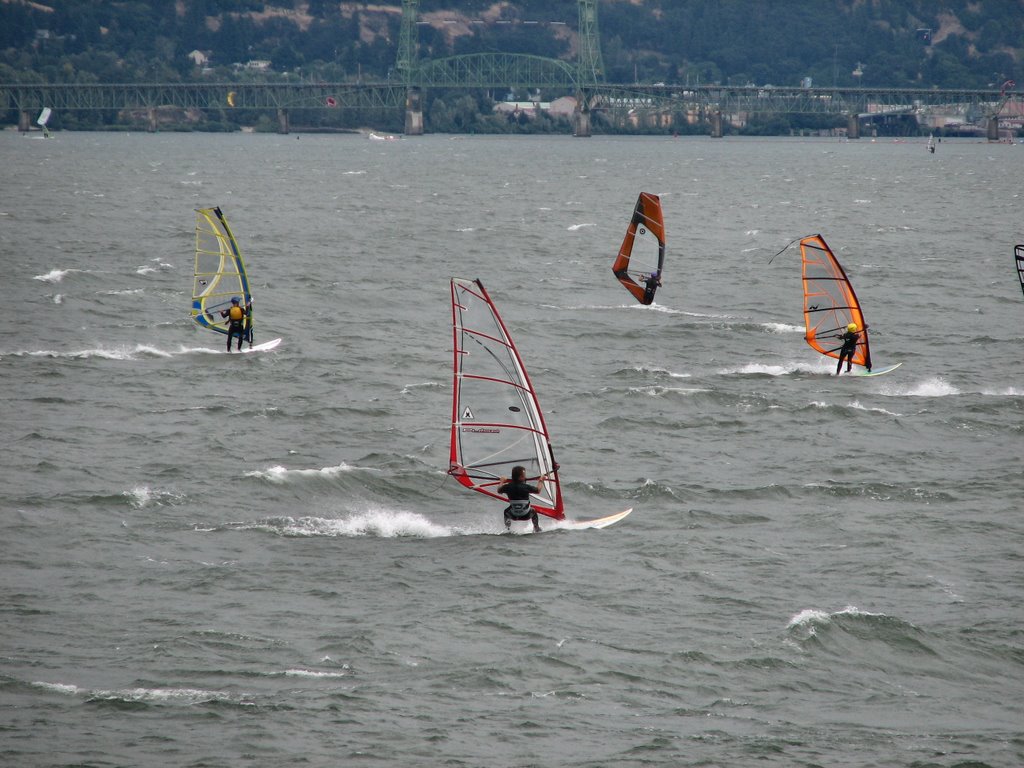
496, 419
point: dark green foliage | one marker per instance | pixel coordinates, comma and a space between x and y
919, 43
760, 42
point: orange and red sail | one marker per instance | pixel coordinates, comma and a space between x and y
830, 303
641, 257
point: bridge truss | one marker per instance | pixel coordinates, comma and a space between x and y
583, 78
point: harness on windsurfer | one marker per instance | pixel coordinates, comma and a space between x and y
650, 286
518, 492
236, 321
850, 339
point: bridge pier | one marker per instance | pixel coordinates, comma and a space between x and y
716, 124
282, 121
581, 120
24, 121
151, 120
413, 112
852, 127
992, 129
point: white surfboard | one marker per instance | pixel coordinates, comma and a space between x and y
878, 371
596, 522
264, 347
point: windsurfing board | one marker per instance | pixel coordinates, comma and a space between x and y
597, 522
567, 524
264, 347
879, 371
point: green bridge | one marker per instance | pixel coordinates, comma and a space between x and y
648, 105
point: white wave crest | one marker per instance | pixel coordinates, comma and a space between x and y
782, 328
160, 266
279, 475
70, 690
142, 496
933, 387
575, 227
186, 696
422, 385
1008, 392
385, 524
55, 275
662, 391
659, 369
119, 353
773, 370
811, 616
308, 673
146, 695
857, 406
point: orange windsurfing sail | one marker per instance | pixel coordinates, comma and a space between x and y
830, 303
642, 254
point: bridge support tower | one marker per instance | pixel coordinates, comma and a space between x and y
24, 121
581, 116
716, 124
413, 112
992, 129
282, 121
852, 127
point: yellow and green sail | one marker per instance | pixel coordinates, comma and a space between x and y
219, 273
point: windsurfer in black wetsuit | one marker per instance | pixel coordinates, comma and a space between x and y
650, 286
236, 320
518, 492
850, 339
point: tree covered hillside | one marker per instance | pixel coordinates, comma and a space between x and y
924, 43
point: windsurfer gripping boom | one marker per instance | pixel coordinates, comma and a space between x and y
651, 283
850, 339
518, 492
236, 316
